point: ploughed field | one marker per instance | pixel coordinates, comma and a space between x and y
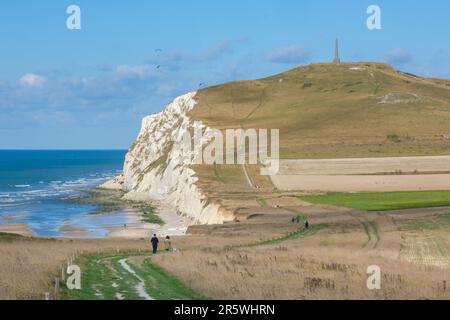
365, 174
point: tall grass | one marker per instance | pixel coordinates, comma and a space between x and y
330, 264
28, 266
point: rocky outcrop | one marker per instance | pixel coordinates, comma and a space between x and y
156, 166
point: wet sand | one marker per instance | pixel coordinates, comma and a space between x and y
121, 223
12, 217
129, 225
18, 228
174, 225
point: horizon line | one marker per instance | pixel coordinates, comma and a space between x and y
69, 149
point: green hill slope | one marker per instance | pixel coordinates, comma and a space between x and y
337, 110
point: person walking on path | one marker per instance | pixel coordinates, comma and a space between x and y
168, 244
154, 241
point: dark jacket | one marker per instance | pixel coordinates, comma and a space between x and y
154, 241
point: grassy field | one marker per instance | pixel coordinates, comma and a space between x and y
324, 262
262, 202
337, 111
104, 277
382, 201
301, 233
28, 266
265, 258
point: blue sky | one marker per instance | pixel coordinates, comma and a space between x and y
90, 88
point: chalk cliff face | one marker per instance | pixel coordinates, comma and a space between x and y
156, 168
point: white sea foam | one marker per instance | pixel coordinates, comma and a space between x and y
5, 202
56, 188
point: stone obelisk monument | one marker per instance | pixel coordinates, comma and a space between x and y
337, 59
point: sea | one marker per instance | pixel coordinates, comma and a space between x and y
36, 188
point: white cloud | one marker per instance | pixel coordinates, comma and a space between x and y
290, 54
31, 80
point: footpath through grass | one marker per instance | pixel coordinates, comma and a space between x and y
383, 201
262, 203
301, 233
103, 277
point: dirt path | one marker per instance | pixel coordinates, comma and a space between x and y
127, 276
371, 230
247, 176
140, 287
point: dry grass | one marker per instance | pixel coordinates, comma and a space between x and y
332, 111
223, 262
28, 265
331, 264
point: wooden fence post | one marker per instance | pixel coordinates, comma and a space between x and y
63, 274
56, 286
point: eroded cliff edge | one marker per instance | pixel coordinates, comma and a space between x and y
156, 166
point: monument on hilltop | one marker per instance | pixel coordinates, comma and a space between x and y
337, 59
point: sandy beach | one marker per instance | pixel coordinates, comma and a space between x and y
128, 222
174, 225
12, 217
17, 228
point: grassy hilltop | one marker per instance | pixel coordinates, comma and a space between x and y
338, 110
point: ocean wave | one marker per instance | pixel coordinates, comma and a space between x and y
10, 204
53, 189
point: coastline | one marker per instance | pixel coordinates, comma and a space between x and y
174, 224
21, 229
134, 228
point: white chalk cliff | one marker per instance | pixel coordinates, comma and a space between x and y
156, 169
